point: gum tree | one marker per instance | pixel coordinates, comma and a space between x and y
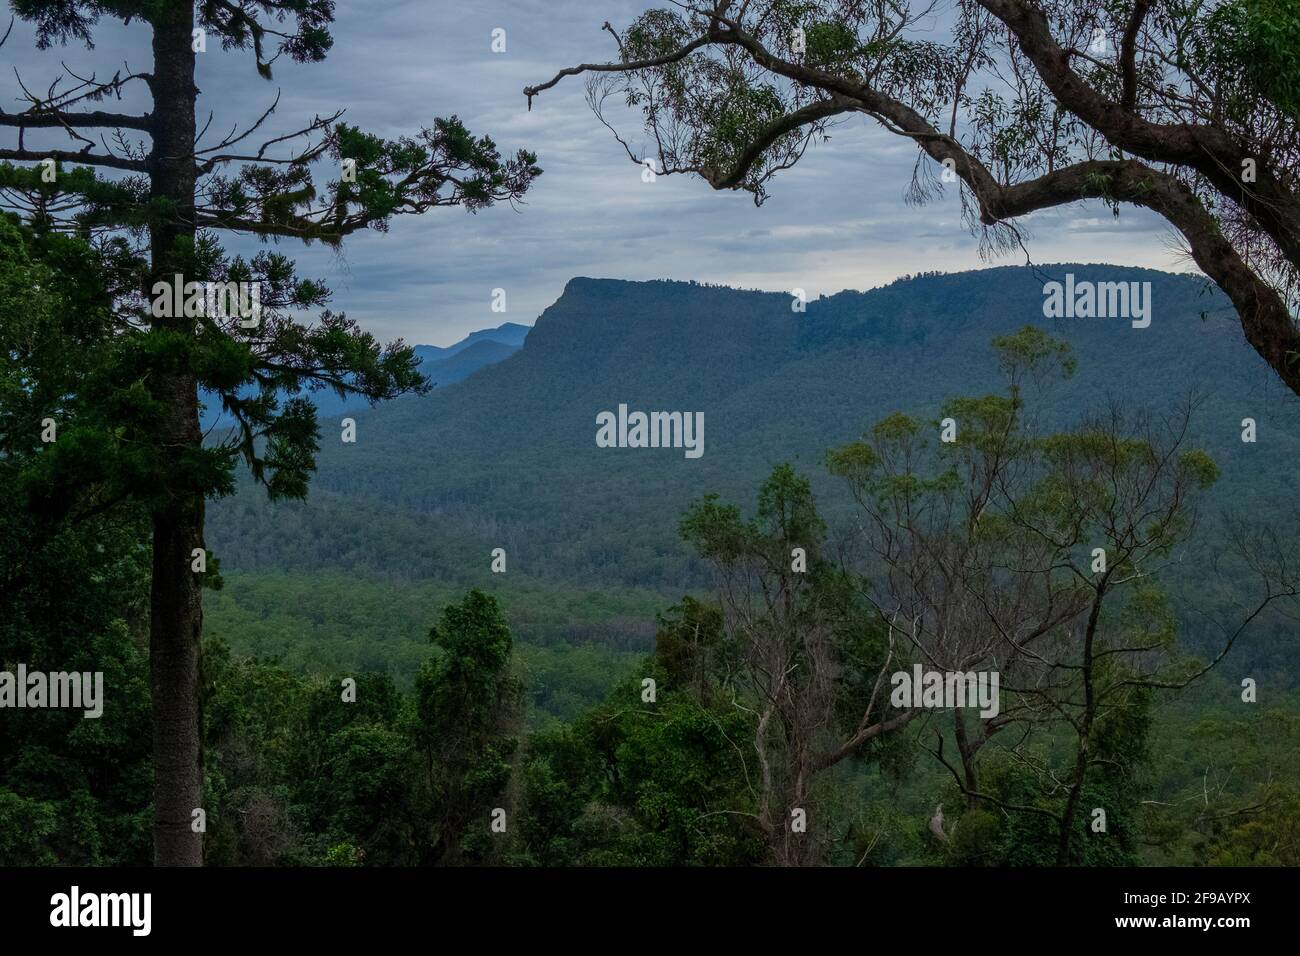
1185, 107
161, 181
810, 665
977, 591
1044, 555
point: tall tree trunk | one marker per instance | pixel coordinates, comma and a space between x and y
176, 603
966, 750
1084, 729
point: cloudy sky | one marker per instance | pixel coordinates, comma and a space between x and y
836, 221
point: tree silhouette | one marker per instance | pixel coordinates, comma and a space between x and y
167, 202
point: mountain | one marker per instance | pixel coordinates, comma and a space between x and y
508, 458
441, 365
511, 334
464, 362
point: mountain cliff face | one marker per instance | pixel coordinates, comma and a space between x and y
509, 457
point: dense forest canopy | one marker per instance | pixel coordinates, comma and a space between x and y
340, 752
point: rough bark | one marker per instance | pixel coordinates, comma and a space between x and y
1082, 754
176, 621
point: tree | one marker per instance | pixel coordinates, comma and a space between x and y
1270, 836
1187, 108
971, 588
1039, 555
74, 789
173, 197
467, 708
809, 663
650, 780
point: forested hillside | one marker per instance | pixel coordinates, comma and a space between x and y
478, 611
412, 510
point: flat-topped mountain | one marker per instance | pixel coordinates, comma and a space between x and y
508, 457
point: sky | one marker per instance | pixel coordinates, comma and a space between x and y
836, 221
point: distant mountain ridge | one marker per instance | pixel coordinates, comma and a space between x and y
441, 365
510, 334
463, 363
